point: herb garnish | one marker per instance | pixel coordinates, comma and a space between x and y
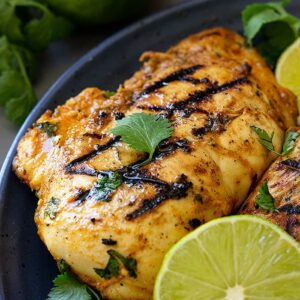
143, 132
51, 208
112, 268
16, 93
108, 94
264, 199
67, 286
270, 28
105, 185
289, 142
35, 28
266, 140
48, 128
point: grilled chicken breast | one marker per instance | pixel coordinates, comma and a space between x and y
212, 87
283, 180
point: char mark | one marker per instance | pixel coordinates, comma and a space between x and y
81, 197
175, 190
291, 163
167, 147
109, 242
71, 167
180, 75
215, 123
198, 96
290, 209
94, 135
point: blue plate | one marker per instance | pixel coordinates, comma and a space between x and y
26, 268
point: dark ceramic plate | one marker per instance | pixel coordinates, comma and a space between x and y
26, 268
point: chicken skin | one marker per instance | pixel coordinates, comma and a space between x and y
283, 180
213, 88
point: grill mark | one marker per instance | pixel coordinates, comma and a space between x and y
164, 149
108, 242
215, 123
132, 175
175, 190
177, 75
198, 96
291, 163
81, 197
94, 135
290, 209
99, 148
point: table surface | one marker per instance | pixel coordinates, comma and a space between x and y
57, 58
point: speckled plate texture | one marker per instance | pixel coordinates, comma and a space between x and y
26, 268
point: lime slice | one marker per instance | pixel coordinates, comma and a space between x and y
232, 258
288, 69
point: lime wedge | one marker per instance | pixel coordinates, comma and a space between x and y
232, 258
288, 70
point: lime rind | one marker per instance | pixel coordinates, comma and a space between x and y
207, 267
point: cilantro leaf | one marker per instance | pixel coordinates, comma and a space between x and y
112, 268
105, 185
48, 128
10, 24
51, 208
289, 142
67, 287
41, 32
143, 132
36, 28
270, 28
264, 138
16, 93
264, 199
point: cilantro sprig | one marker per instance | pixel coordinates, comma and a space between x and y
16, 92
267, 140
35, 27
67, 286
264, 199
270, 28
143, 132
25, 26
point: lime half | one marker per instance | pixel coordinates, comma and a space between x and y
288, 70
232, 258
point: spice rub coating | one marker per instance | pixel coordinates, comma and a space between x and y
283, 179
212, 87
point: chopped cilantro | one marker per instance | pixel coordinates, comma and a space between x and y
112, 268
264, 199
51, 208
48, 128
105, 185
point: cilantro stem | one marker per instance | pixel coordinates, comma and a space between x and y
24, 74
145, 162
97, 296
